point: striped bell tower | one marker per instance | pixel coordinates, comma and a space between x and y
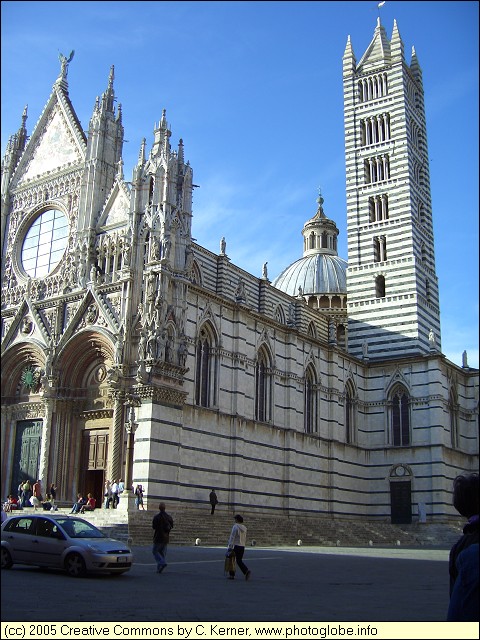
393, 301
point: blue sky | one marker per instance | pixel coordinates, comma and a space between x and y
255, 91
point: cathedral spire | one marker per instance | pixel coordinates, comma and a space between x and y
108, 96
181, 155
396, 42
349, 61
415, 66
141, 154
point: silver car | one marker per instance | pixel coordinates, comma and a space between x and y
61, 542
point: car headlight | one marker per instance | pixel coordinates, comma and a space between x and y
94, 547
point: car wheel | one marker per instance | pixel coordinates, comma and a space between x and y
75, 565
6, 559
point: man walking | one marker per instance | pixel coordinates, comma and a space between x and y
213, 501
162, 524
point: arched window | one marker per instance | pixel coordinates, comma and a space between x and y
263, 386
380, 287
341, 336
311, 408
205, 369
349, 412
151, 187
400, 417
453, 411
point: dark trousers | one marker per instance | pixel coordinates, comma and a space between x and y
239, 551
213, 508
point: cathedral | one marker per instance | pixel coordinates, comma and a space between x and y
131, 352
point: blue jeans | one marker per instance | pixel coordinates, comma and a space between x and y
159, 551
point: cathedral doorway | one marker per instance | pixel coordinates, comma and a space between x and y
26, 453
401, 502
93, 463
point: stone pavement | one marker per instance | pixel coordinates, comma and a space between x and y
309, 584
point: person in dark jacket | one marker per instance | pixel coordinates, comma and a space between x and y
162, 524
213, 501
463, 560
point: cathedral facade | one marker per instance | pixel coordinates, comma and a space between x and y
130, 351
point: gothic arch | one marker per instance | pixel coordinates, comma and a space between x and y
196, 274
351, 400
279, 314
206, 365
14, 361
87, 349
263, 383
399, 419
311, 398
312, 330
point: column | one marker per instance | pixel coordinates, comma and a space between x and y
45, 444
116, 443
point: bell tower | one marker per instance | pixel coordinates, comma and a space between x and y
393, 299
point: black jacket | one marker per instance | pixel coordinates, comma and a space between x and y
162, 523
470, 536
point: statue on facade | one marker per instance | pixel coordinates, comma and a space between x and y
365, 349
188, 259
167, 245
223, 246
64, 62
264, 271
431, 339
464, 360
161, 345
240, 295
152, 344
182, 353
142, 346
151, 287
155, 250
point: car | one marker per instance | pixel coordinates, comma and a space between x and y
62, 542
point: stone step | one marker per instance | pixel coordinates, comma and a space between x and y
271, 530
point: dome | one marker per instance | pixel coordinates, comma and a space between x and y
314, 274
320, 270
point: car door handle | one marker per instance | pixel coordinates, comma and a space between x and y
34, 541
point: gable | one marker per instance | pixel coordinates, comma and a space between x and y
378, 52
116, 210
53, 149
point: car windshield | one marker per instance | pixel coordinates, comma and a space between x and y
77, 528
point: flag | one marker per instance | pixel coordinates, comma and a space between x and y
380, 4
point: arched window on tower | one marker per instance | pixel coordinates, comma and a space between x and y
380, 287
263, 386
400, 402
205, 368
311, 400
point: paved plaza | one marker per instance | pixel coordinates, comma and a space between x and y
304, 584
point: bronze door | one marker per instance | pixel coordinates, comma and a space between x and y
27, 452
